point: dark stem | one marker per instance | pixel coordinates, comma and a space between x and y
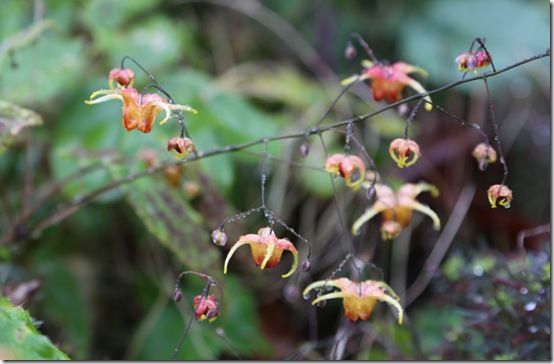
412, 116
496, 134
365, 46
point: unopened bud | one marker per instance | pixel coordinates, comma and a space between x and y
350, 51
371, 193
304, 149
306, 266
177, 295
219, 237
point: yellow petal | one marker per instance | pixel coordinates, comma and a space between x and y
231, 252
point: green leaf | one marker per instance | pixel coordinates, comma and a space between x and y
167, 214
238, 320
20, 340
13, 119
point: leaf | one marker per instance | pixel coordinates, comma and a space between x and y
168, 216
13, 119
20, 340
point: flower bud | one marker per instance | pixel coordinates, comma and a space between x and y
306, 266
123, 76
177, 295
191, 189
350, 51
500, 194
304, 149
371, 194
219, 237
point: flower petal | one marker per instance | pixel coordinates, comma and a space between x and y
391, 301
317, 284
366, 216
108, 95
268, 254
419, 89
427, 211
330, 296
294, 265
232, 251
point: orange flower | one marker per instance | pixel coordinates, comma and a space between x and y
500, 194
349, 167
139, 111
396, 208
388, 81
484, 154
405, 152
471, 61
266, 250
181, 146
359, 298
205, 307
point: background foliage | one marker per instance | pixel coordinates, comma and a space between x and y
253, 69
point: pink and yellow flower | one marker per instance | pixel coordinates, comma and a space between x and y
358, 298
349, 167
388, 81
500, 194
396, 208
205, 308
405, 152
266, 250
472, 61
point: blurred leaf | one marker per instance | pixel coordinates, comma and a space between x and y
108, 14
61, 63
168, 216
20, 340
65, 305
12, 120
433, 37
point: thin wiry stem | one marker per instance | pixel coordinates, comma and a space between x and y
496, 134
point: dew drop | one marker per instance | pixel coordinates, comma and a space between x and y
523, 290
533, 329
478, 271
530, 306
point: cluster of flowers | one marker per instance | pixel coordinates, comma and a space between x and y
396, 207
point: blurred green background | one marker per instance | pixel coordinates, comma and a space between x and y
255, 69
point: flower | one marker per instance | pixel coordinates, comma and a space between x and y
123, 76
139, 111
181, 146
471, 61
388, 81
500, 194
266, 250
484, 154
405, 152
349, 167
205, 307
173, 174
396, 208
358, 298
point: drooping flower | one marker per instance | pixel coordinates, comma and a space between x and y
405, 152
500, 194
388, 81
266, 250
139, 111
396, 208
205, 307
472, 61
181, 146
349, 167
358, 298
484, 154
